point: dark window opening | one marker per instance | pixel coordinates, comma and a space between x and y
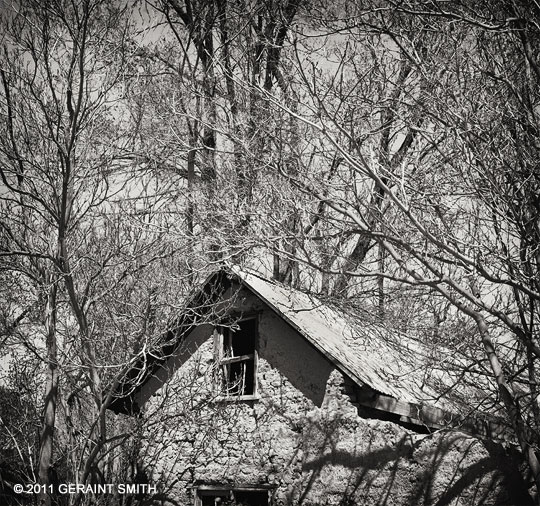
251, 498
232, 497
242, 339
239, 378
238, 358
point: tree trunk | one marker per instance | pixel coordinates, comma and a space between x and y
526, 438
380, 285
51, 396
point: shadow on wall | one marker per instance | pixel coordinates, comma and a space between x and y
324, 457
369, 462
437, 470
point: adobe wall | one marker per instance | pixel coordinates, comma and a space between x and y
305, 439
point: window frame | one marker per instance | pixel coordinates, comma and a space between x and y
222, 332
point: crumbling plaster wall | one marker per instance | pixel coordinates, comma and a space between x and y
303, 437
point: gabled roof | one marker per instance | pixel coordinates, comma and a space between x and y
389, 362
395, 366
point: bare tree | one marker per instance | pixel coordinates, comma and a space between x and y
61, 70
439, 170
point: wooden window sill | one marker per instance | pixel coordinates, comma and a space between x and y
236, 398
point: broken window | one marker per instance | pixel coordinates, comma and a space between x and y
231, 497
236, 351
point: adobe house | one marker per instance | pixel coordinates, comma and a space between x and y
263, 395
